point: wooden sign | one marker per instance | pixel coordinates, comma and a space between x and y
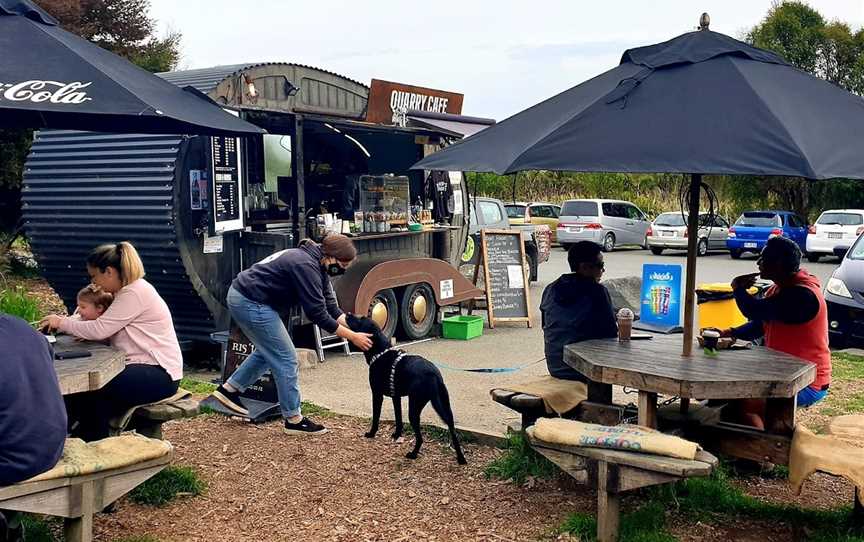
507, 293
387, 99
239, 348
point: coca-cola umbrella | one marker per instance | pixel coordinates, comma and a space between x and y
700, 103
51, 78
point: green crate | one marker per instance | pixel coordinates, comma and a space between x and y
462, 327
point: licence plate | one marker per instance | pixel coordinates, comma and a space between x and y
750, 245
574, 230
835, 236
668, 234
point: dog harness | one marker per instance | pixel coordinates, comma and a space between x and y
396, 360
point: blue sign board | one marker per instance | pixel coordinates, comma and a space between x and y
661, 295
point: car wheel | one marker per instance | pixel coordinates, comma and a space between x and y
645, 243
531, 262
417, 311
656, 251
384, 310
813, 258
736, 254
609, 242
702, 247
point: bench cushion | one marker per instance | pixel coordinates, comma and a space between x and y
81, 458
558, 395
628, 438
829, 453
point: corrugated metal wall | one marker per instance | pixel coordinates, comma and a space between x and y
82, 189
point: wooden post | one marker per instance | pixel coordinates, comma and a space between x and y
80, 528
647, 409
607, 506
692, 242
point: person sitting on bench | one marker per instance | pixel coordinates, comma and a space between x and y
32, 414
576, 307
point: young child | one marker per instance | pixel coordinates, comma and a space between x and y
92, 302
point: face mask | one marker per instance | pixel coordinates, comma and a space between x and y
334, 270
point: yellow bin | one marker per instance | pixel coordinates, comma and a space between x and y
717, 307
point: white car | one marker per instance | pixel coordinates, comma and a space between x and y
836, 229
669, 231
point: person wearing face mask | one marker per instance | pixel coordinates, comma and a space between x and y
297, 276
575, 308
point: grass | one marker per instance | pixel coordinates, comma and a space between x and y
645, 524
167, 485
846, 369
37, 529
519, 462
17, 302
311, 409
197, 386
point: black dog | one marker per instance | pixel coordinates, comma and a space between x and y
397, 374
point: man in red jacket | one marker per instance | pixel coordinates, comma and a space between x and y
792, 317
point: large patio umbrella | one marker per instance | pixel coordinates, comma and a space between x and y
701, 103
51, 78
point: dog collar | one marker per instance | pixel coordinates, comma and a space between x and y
379, 354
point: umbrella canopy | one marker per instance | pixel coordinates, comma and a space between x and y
700, 103
51, 78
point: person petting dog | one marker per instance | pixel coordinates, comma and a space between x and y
575, 308
792, 317
297, 276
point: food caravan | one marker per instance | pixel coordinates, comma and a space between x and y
201, 209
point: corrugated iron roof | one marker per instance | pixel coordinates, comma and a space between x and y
206, 79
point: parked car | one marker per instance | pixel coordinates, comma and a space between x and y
669, 231
833, 232
489, 213
534, 213
844, 294
608, 223
753, 229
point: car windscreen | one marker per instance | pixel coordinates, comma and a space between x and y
841, 219
670, 219
579, 208
515, 211
759, 220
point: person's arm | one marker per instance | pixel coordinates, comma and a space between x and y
123, 311
330, 300
747, 332
307, 281
795, 305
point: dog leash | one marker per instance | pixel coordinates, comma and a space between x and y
489, 369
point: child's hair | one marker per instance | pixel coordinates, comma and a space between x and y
96, 295
122, 256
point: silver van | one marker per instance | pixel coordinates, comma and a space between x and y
608, 223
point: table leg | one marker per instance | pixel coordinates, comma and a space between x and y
599, 392
648, 409
780, 415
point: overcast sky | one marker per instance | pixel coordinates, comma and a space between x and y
504, 55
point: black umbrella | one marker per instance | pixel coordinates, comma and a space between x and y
51, 78
701, 103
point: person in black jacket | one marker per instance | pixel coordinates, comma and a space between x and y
576, 307
298, 276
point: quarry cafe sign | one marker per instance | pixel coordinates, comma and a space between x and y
387, 100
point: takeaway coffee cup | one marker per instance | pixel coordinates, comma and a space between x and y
625, 324
710, 337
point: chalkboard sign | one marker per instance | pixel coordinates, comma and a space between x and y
507, 298
227, 182
238, 349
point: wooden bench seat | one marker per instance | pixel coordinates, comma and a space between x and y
612, 472
147, 420
532, 408
77, 498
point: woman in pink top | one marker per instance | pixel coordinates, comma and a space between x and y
137, 322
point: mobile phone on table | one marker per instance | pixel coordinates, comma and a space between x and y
71, 354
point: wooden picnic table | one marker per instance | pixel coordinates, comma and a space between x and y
657, 367
87, 374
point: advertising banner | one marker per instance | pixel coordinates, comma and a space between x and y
661, 299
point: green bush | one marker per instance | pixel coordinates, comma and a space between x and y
17, 302
167, 485
520, 462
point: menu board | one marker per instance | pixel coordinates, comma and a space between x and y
507, 295
227, 184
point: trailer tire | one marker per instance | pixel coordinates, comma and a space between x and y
384, 310
417, 311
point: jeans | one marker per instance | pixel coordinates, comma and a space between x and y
273, 350
808, 396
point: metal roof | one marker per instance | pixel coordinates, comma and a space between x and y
206, 79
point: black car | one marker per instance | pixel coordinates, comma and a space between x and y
844, 294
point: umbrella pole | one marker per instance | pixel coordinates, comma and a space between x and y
692, 242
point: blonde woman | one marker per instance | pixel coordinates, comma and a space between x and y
137, 322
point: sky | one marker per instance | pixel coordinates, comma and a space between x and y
503, 55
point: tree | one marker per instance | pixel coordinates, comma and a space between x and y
121, 26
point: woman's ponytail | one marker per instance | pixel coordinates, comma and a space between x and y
121, 256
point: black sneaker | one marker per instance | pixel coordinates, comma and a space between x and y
304, 427
231, 399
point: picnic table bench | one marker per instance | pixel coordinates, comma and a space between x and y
612, 472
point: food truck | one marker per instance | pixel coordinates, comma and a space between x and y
200, 209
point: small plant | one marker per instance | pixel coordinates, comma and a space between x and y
17, 302
520, 462
37, 529
197, 386
311, 409
167, 485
